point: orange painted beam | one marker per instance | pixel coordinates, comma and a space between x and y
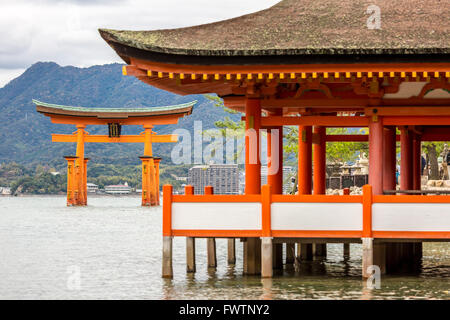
408, 111
416, 121
326, 121
122, 139
295, 68
156, 120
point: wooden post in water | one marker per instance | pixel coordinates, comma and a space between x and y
320, 250
190, 254
231, 251
346, 250
290, 255
304, 251
167, 269
367, 256
266, 257
211, 242
277, 256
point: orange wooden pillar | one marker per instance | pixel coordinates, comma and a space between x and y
150, 177
79, 166
157, 161
416, 158
305, 250
252, 145
71, 182
376, 154
304, 159
320, 147
85, 180
406, 160
146, 180
275, 180
319, 175
252, 246
389, 158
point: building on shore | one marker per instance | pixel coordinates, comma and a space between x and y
92, 188
224, 178
118, 189
288, 172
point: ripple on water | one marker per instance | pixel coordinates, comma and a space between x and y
116, 246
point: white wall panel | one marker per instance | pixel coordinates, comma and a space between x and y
411, 217
316, 216
216, 216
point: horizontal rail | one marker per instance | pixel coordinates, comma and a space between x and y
164, 138
305, 216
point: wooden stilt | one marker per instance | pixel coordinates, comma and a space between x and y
367, 256
290, 255
252, 256
231, 251
267, 257
306, 251
190, 254
346, 250
379, 256
320, 250
211, 252
167, 270
277, 256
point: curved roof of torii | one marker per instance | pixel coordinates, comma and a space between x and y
177, 111
301, 31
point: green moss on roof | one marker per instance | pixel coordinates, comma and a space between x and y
115, 110
299, 27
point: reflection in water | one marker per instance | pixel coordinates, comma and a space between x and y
267, 289
117, 246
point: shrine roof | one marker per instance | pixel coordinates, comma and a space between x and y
53, 109
294, 28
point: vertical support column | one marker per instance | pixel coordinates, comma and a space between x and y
151, 177
376, 154
190, 254
304, 159
346, 250
167, 269
416, 168
319, 175
85, 180
157, 161
252, 145
79, 165
71, 184
389, 158
406, 182
211, 242
252, 246
267, 258
146, 181
290, 255
275, 178
231, 251
305, 176
367, 240
367, 258
319, 160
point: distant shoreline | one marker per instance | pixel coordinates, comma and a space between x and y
132, 195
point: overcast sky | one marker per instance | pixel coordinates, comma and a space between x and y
65, 31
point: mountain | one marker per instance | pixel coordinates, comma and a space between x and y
25, 135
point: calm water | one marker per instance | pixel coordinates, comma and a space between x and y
116, 247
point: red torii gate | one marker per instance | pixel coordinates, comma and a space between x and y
114, 118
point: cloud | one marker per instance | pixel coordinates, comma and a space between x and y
65, 31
